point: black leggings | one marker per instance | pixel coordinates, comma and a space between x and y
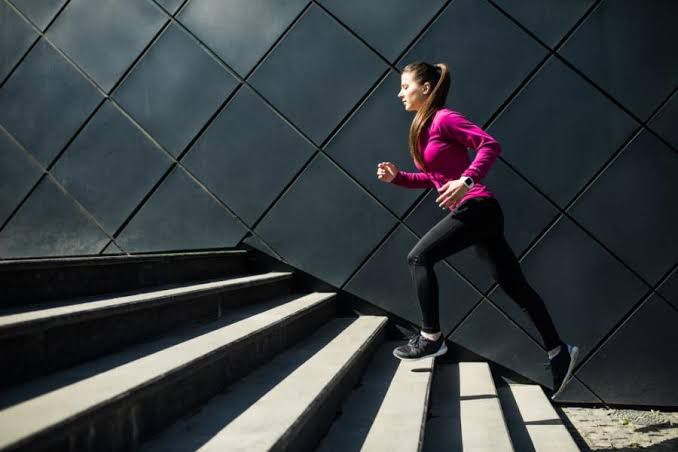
479, 222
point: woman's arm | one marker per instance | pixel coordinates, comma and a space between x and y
455, 126
413, 180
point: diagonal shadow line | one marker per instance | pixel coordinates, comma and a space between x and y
656, 427
293, 180
425, 193
556, 421
242, 394
514, 420
496, 114
563, 213
478, 397
529, 337
423, 30
54, 381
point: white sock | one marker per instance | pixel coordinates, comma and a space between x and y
431, 336
554, 352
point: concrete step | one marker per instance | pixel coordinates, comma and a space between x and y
115, 402
287, 404
50, 336
28, 281
482, 421
533, 423
387, 412
465, 413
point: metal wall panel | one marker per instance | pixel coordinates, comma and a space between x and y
136, 126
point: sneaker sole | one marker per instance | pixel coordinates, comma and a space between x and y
440, 351
568, 375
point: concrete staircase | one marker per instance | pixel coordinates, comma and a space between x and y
212, 351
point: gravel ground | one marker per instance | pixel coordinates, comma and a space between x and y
621, 429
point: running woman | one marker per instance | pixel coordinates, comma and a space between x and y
438, 142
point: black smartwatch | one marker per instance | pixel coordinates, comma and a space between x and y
467, 181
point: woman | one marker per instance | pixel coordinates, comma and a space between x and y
438, 142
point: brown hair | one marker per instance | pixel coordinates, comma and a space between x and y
438, 76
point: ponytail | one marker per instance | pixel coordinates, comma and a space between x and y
438, 76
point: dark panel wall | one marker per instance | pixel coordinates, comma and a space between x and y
138, 125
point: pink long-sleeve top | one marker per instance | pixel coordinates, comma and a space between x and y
444, 143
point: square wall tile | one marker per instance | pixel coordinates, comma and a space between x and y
110, 166
49, 223
377, 132
248, 155
478, 43
317, 96
240, 31
174, 90
560, 130
649, 336
638, 224
45, 101
104, 37
573, 274
640, 73
180, 215
325, 224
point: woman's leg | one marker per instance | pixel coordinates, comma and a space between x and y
506, 270
458, 230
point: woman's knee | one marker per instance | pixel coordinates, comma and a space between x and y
417, 258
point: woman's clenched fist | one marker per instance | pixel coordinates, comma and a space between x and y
386, 171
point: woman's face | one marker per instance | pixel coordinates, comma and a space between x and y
412, 94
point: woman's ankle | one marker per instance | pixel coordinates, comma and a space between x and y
431, 336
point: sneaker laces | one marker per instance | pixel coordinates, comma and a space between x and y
413, 340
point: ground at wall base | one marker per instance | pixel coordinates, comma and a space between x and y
621, 429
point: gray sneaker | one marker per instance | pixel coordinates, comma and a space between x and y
418, 347
562, 366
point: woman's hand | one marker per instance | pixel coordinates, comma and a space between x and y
450, 193
386, 171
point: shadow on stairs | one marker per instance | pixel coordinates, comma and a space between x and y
210, 351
